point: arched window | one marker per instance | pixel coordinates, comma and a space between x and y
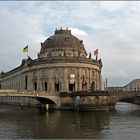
84, 86
56, 87
35, 86
72, 78
93, 86
46, 86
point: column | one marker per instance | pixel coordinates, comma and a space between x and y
39, 83
29, 86
65, 80
79, 80
76, 79
88, 80
51, 81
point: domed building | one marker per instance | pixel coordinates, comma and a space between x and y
62, 66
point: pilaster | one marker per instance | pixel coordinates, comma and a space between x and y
79, 80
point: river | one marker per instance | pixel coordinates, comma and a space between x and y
123, 123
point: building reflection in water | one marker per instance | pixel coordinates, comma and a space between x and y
54, 124
69, 124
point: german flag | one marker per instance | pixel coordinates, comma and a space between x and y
25, 49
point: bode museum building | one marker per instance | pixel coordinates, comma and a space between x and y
62, 66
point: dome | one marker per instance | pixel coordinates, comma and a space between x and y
63, 41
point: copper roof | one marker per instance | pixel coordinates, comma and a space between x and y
63, 39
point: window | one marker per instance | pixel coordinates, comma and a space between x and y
46, 86
35, 86
57, 86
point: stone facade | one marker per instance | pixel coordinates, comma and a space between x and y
62, 66
134, 85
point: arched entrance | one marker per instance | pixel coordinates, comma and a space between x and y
0, 86
93, 86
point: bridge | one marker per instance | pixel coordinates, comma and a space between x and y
84, 100
44, 98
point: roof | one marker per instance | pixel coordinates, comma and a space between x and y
63, 39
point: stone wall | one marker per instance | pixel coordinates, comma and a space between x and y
19, 101
27, 78
89, 103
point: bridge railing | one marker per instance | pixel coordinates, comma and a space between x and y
72, 94
25, 93
84, 93
7, 90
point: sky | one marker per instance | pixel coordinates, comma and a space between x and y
111, 26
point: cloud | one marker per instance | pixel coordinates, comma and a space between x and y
76, 31
113, 5
18, 29
112, 27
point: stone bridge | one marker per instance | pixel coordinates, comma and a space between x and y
96, 100
44, 98
101, 100
125, 96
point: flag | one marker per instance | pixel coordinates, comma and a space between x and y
25, 49
96, 52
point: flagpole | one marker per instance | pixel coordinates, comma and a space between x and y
25, 50
27, 55
96, 57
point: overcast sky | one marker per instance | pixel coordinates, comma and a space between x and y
112, 27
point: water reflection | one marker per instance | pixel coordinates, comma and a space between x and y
78, 124
123, 123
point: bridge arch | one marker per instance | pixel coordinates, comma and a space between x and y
51, 100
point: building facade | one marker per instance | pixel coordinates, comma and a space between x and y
62, 66
134, 85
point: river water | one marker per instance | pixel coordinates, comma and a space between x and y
123, 123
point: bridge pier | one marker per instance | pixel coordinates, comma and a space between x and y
89, 103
